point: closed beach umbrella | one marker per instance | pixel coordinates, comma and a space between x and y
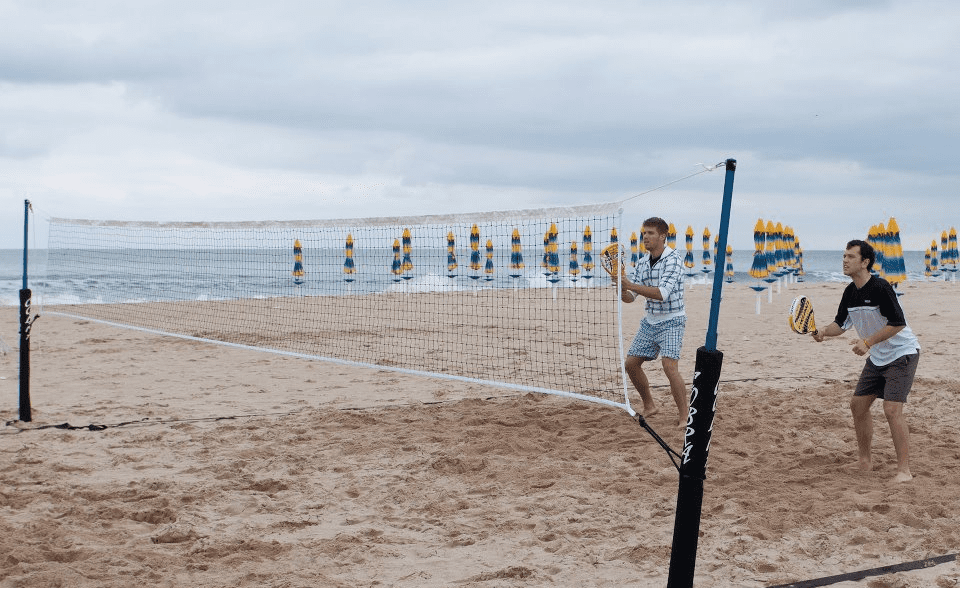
954, 253
297, 262
781, 246
614, 238
927, 270
634, 250
771, 247
759, 236
672, 236
878, 239
899, 267
706, 249
407, 251
348, 266
475, 250
489, 269
933, 262
574, 266
545, 263
554, 253
516, 255
800, 271
944, 248
451, 255
587, 252
728, 273
759, 269
688, 260
397, 267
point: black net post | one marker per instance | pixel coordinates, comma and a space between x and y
25, 323
693, 467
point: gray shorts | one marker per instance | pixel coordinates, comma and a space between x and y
891, 382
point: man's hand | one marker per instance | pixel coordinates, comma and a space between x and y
860, 347
818, 336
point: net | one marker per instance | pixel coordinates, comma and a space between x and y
511, 298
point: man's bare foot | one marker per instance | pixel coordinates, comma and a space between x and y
859, 467
903, 477
650, 411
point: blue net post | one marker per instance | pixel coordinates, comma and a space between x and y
25, 296
703, 407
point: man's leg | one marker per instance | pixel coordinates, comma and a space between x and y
901, 443
634, 367
678, 389
863, 425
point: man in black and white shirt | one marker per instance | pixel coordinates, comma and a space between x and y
870, 305
659, 279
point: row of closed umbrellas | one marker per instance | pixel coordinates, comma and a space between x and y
402, 265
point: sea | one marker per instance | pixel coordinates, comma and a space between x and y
233, 273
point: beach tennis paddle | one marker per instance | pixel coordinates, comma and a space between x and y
801, 316
611, 259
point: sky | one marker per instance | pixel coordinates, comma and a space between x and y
839, 114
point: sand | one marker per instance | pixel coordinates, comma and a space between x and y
229, 467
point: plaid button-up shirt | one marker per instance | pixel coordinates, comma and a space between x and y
667, 275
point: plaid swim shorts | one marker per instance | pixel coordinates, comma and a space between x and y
653, 339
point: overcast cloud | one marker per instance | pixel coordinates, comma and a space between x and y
840, 114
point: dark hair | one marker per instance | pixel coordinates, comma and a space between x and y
866, 251
659, 224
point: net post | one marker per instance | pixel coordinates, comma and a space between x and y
703, 408
25, 296
711, 343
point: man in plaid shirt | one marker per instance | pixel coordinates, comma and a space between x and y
659, 279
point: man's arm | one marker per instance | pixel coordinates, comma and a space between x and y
628, 286
831, 330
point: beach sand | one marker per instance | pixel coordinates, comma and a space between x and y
230, 467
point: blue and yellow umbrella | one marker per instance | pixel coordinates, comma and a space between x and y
516, 255
545, 263
932, 262
944, 248
760, 271
475, 250
634, 250
688, 261
899, 269
759, 236
876, 239
954, 253
348, 266
798, 255
728, 272
553, 260
451, 255
574, 265
672, 236
771, 248
298, 272
397, 267
707, 261
587, 252
489, 269
407, 251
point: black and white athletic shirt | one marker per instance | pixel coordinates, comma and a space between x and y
870, 309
